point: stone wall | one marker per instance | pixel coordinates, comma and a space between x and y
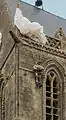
32, 101
8, 88
5, 26
23, 100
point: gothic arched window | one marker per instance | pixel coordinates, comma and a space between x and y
52, 96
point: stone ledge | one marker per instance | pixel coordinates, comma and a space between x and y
26, 40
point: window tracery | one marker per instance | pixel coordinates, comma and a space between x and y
52, 96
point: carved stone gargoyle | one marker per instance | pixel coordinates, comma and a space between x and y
38, 69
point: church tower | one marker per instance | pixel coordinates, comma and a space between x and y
32, 75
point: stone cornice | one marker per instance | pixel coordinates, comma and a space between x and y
28, 41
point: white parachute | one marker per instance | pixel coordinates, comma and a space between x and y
27, 27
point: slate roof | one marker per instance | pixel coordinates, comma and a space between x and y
49, 21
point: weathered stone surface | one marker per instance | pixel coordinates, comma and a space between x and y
30, 97
20, 99
23, 99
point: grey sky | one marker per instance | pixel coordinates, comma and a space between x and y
57, 7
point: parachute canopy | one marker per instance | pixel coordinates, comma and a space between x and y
27, 27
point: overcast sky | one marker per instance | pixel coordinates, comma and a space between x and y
57, 7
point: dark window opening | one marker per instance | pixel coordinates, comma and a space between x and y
55, 111
55, 117
55, 95
48, 110
55, 83
55, 103
48, 88
55, 90
48, 117
48, 94
48, 102
48, 81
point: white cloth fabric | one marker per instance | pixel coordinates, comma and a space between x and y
27, 27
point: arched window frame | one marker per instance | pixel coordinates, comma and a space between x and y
53, 65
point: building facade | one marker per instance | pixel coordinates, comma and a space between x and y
32, 75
